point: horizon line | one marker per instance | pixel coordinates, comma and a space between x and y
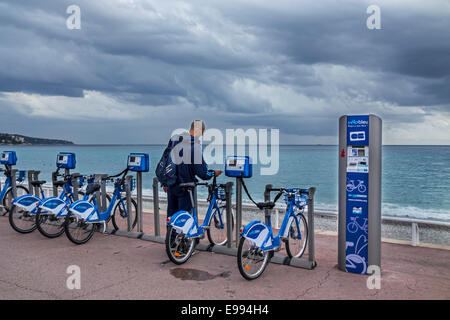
162, 144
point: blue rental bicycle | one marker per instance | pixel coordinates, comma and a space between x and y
258, 244
184, 233
51, 212
84, 216
31, 212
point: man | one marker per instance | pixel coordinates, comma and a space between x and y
190, 164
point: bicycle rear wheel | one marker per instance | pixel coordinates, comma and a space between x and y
78, 231
21, 221
8, 198
49, 225
297, 239
251, 260
179, 247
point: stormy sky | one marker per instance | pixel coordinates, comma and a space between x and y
136, 70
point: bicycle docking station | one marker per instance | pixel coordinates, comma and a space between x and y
66, 161
240, 167
139, 163
359, 217
305, 263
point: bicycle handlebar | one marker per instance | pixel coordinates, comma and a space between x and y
287, 190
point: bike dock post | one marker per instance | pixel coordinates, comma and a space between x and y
54, 187
238, 209
267, 199
228, 201
139, 200
311, 247
128, 181
30, 178
75, 186
101, 197
157, 230
33, 175
13, 187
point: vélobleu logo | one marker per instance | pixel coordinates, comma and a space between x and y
254, 232
354, 121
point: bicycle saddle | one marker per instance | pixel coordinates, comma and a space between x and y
92, 188
37, 183
187, 185
264, 205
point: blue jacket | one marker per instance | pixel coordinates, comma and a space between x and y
189, 166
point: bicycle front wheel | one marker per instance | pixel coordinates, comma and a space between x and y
179, 247
8, 198
297, 237
217, 232
49, 225
251, 260
78, 231
21, 221
120, 215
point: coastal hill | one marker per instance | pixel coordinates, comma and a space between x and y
17, 139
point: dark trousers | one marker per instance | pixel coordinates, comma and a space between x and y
177, 200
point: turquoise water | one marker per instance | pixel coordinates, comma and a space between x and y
416, 179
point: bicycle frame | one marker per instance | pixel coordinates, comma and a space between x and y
187, 222
5, 187
88, 211
261, 234
103, 216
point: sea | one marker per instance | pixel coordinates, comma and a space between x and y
415, 179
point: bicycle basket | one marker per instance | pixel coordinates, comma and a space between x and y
81, 182
122, 187
221, 194
20, 176
300, 200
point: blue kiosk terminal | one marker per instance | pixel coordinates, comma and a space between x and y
139, 163
359, 220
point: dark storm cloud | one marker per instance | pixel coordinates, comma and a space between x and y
204, 53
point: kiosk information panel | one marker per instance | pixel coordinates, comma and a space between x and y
66, 160
359, 193
238, 166
9, 158
138, 162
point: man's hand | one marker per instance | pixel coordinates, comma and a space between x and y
165, 189
217, 173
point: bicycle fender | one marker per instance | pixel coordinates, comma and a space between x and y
27, 202
83, 209
54, 206
286, 229
257, 233
182, 221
